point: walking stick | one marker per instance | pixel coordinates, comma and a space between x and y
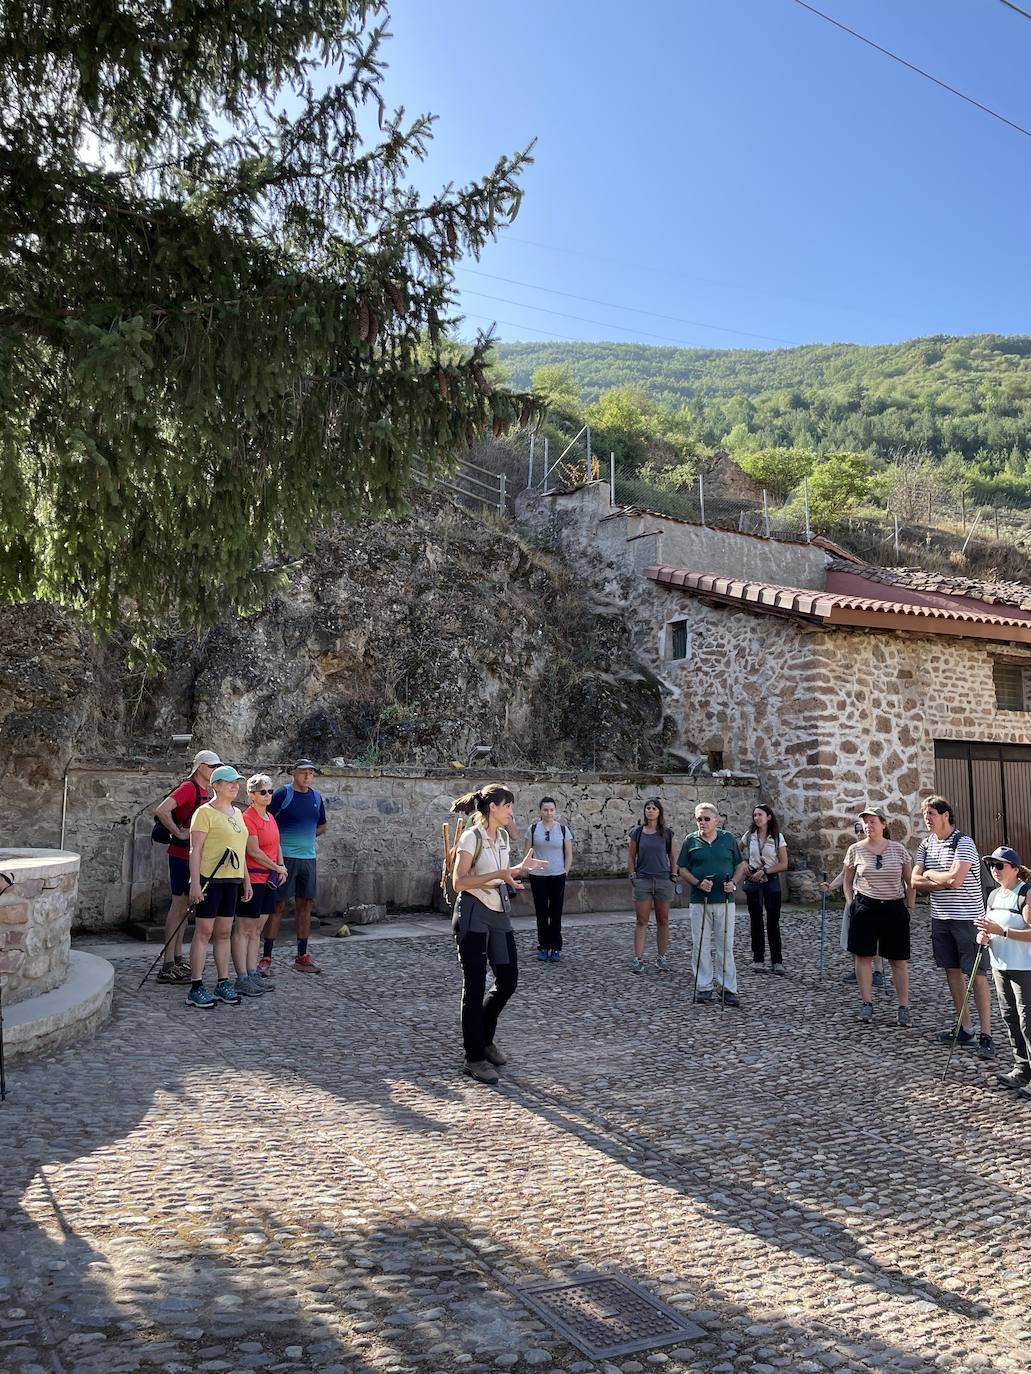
963, 1008
823, 923
8, 881
701, 938
227, 855
723, 967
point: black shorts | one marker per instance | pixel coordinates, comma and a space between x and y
179, 876
300, 880
954, 945
878, 928
220, 898
262, 903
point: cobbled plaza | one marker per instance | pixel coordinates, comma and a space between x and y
306, 1183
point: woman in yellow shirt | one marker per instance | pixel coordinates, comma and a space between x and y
218, 880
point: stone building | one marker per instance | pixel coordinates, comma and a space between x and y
830, 679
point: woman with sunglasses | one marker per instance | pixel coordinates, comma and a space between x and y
218, 878
1005, 929
878, 884
266, 869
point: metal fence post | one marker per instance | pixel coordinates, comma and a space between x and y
546, 468
805, 493
766, 514
701, 497
529, 476
501, 494
612, 479
588, 453
896, 541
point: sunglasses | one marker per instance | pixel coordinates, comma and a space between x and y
995, 866
880, 860
263, 791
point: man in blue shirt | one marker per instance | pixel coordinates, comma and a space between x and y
300, 813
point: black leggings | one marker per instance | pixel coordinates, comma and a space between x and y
480, 1014
548, 895
772, 901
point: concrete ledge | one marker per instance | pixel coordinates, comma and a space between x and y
70, 1013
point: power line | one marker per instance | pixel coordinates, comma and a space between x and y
631, 309
1010, 6
511, 324
919, 70
602, 324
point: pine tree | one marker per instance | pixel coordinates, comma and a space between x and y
224, 314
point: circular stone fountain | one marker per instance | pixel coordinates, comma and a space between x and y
52, 994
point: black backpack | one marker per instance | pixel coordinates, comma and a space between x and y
160, 833
533, 827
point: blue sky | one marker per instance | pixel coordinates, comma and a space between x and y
735, 163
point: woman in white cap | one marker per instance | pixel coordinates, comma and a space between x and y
1005, 930
218, 880
879, 889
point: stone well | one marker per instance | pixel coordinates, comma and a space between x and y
51, 995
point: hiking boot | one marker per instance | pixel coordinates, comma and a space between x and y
542, 955
731, 999
265, 966
662, 963
556, 956
779, 970
759, 966
849, 977
902, 1017
169, 974
1014, 1080
704, 996
966, 1040
637, 966
1025, 1091
182, 964
246, 988
493, 1055
304, 963
482, 1070
985, 1047
200, 997
866, 1013
878, 981
225, 991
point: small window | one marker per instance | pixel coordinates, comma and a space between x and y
678, 631
715, 760
1009, 686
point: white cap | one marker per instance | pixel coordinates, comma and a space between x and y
206, 756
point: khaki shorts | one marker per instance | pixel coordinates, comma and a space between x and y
661, 889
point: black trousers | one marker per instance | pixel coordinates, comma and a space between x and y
1014, 989
772, 901
480, 1013
548, 896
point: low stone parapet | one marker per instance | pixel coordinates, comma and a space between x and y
35, 920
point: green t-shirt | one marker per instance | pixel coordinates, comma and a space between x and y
716, 861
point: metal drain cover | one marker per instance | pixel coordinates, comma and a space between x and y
607, 1314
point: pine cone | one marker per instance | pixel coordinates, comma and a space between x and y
364, 316
482, 385
442, 385
452, 237
373, 333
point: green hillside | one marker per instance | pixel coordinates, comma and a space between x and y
969, 397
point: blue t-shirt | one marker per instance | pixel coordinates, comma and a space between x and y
298, 821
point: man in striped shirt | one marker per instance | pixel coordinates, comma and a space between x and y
948, 869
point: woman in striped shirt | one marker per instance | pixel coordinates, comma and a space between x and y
878, 886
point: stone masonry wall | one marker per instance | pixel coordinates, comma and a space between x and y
35, 921
383, 837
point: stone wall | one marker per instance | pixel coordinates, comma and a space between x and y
35, 920
383, 840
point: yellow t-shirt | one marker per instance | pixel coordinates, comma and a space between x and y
221, 832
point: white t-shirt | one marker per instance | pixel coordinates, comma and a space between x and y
937, 856
492, 858
766, 855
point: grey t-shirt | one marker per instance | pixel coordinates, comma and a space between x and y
548, 845
652, 854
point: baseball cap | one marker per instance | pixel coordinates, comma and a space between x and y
1003, 855
227, 773
206, 756
303, 763
872, 809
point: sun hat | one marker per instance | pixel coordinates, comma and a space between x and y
1003, 855
227, 773
206, 757
872, 809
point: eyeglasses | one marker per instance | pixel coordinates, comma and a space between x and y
263, 791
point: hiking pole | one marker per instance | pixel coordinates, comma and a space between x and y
698, 956
723, 967
8, 881
823, 923
193, 905
963, 1009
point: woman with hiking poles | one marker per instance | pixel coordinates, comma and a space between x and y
1005, 930
649, 866
483, 874
765, 852
878, 888
218, 880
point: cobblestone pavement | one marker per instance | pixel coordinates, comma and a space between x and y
308, 1183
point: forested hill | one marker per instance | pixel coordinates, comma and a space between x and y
970, 396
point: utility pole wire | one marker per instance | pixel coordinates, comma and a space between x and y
1010, 6
919, 70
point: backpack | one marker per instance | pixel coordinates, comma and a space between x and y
636, 833
290, 796
450, 863
533, 827
160, 833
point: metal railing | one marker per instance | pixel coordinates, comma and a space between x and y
475, 486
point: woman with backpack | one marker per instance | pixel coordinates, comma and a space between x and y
1006, 931
766, 854
552, 842
482, 876
649, 866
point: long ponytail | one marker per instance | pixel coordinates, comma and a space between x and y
479, 802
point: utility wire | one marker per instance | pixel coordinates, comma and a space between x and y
1010, 6
511, 324
603, 324
611, 305
919, 70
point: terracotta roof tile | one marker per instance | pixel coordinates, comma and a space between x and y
940, 583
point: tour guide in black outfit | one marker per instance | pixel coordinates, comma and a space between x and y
482, 924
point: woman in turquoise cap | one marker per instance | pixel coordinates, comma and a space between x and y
218, 880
